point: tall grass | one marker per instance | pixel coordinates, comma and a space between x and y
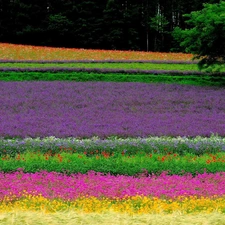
109, 218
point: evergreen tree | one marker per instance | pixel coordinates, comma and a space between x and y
113, 25
205, 37
104, 24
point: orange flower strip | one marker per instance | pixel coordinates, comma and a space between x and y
27, 52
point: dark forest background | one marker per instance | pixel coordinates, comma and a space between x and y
144, 25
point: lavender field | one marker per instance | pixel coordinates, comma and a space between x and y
85, 109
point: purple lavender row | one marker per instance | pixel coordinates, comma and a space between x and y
103, 70
86, 109
101, 61
54, 185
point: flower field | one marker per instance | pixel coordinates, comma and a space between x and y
97, 152
21, 52
109, 109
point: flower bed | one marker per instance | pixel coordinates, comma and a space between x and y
52, 185
76, 109
26, 52
133, 152
131, 146
115, 163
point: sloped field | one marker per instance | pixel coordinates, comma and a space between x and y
127, 152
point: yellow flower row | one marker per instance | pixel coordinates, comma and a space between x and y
132, 205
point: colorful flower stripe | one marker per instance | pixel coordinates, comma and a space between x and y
53, 185
197, 145
105, 162
86, 109
135, 204
26, 52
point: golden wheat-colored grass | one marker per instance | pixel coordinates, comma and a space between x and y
109, 218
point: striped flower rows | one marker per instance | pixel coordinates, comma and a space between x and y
41, 121
98, 193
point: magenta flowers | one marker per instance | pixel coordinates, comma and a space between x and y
55, 185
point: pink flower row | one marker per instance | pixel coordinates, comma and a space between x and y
55, 185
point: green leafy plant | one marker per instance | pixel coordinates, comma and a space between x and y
205, 36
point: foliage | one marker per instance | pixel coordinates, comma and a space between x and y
113, 65
114, 145
205, 36
102, 24
55, 23
158, 24
114, 163
200, 80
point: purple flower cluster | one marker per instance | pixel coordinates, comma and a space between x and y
86, 109
101, 61
103, 70
54, 185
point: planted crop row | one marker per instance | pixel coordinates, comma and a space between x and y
125, 66
114, 145
27, 52
104, 70
200, 80
129, 205
52, 185
100, 61
115, 163
87, 109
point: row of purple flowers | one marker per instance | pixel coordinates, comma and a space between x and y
106, 70
86, 109
101, 61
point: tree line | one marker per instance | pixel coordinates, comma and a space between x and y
144, 25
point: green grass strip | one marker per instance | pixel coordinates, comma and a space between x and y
140, 66
115, 164
200, 80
